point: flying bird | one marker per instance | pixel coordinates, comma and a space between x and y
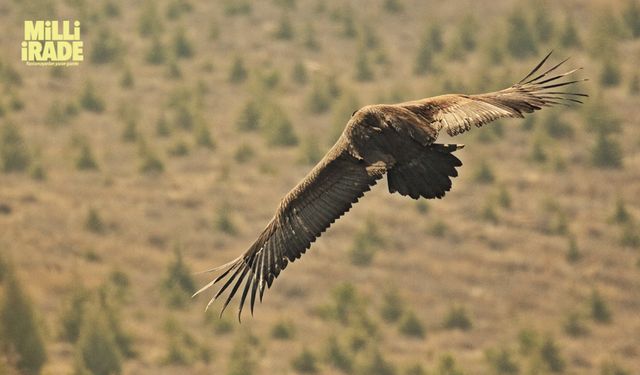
397, 140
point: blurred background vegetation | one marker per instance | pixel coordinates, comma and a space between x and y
166, 151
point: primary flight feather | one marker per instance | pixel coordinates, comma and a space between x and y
397, 140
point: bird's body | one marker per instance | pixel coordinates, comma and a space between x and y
396, 140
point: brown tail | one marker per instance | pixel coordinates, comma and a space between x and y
428, 175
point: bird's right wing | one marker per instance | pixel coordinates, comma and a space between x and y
457, 113
325, 194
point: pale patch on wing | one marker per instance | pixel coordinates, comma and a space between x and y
460, 117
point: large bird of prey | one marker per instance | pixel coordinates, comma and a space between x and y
397, 140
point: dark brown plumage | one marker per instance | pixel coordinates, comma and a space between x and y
394, 139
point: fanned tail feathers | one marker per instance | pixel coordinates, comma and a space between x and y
428, 175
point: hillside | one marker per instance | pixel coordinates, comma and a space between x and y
166, 151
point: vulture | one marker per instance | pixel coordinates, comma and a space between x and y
393, 139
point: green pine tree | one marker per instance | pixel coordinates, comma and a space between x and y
467, 30
181, 45
19, 328
305, 362
634, 85
520, 40
363, 67
156, 54
348, 27
241, 360
392, 307
97, 347
299, 73
338, 356
127, 81
238, 71
310, 40
249, 118
342, 111
374, 363
90, 100
14, 154
319, 99
74, 311
631, 16
106, 47
424, 59
393, 6
204, 138
149, 22
570, 37
86, 160
610, 73
550, 354
502, 362
543, 24
278, 128
606, 153
150, 162
179, 275
285, 28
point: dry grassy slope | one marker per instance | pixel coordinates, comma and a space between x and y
510, 275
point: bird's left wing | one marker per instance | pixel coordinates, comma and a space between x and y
325, 194
457, 113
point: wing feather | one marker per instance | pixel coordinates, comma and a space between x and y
329, 191
255, 281
458, 113
247, 286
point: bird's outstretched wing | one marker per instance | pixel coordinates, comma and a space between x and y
382, 138
325, 194
457, 113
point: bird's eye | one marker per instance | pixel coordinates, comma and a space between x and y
354, 112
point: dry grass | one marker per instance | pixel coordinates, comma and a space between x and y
509, 274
